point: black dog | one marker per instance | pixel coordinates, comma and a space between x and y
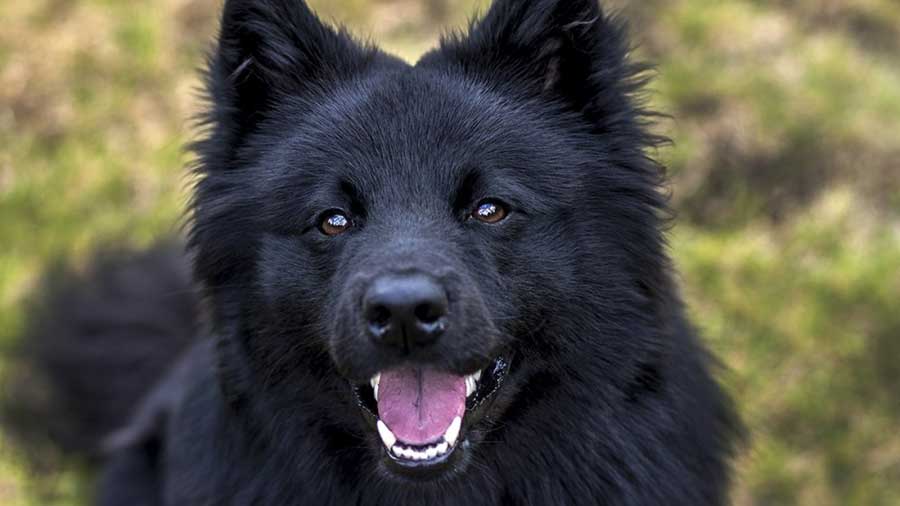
440, 284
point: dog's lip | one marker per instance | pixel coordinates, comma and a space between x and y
491, 379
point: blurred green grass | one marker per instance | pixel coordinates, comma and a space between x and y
786, 177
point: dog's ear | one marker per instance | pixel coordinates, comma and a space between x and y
271, 49
566, 50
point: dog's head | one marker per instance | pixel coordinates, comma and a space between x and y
415, 244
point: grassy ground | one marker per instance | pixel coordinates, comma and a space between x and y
785, 174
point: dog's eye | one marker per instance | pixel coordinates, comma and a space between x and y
490, 211
334, 222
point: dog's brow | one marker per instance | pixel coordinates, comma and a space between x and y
467, 187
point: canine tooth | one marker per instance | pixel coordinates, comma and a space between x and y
470, 385
387, 437
453, 431
374, 382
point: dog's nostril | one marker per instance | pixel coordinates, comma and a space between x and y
379, 316
428, 313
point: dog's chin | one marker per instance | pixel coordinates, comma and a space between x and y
421, 418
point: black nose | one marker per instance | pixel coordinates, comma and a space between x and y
405, 311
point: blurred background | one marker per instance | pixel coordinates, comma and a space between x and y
785, 169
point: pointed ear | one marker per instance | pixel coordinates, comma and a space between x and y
567, 50
268, 49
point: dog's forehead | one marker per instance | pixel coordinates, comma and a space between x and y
414, 138
415, 116
417, 126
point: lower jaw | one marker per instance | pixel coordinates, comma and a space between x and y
428, 470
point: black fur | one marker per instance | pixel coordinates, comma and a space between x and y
609, 399
97, 341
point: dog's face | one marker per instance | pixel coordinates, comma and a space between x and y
416, 243
410, 229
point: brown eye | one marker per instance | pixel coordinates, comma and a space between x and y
490, 211
334, 222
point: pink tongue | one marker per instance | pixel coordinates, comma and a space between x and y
418, 405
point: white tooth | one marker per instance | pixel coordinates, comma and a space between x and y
472, 383
453, 431
431, 452
442, 448
374, 382
397, 451
387, 437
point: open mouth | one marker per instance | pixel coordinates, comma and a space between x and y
421, 414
